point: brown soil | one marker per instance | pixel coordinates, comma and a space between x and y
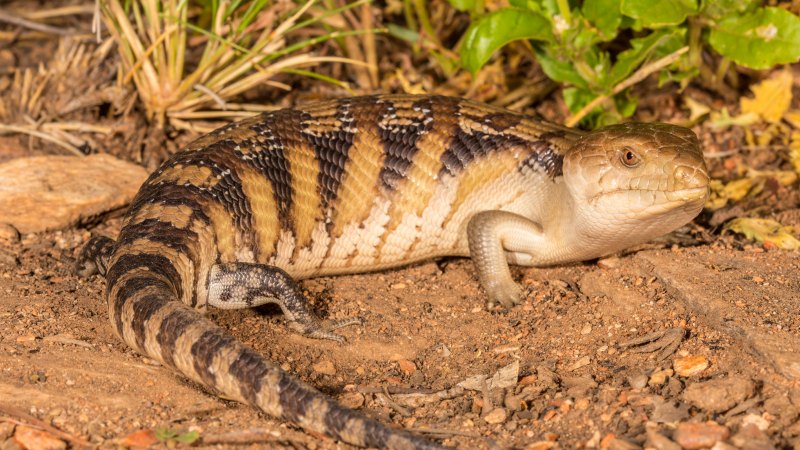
426, 329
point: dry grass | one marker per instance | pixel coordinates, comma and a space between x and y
244, 45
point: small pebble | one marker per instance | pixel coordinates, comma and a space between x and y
750, 437
757, 420
659, 377
6, 430
586, 329
34, 439
399, 286
8, 233
324, 367
609, 263
408, 367
585, 361
637, 380
352, 400
690, 365
658, 441
495, 416
720, 395
691, 435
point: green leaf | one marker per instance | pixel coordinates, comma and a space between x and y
165, 434
576, 98
658, 13
188, 438
665, 41
403, 33
462, 5
605, 15
556, 70
493, 31
760, 40
718, 9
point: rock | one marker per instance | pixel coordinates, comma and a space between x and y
754, 419
324, 367
658, 441
8, 259
719, 395
749, 437
140, 439
8, 233
690, 366
637, 380
6, 430
352, 400
659, 377
690, 435
30, 438
51, 192
495, 416
667, 412
622, 444
408, 367
505, 377
578, 386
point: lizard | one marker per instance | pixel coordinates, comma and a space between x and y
368, 183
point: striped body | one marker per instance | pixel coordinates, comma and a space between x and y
351, 185
363, 184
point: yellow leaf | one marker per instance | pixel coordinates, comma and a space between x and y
793, 117
765, 231
794, 151
723, 119
783, 177
696, 109
772, 97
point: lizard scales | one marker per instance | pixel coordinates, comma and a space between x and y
368, 183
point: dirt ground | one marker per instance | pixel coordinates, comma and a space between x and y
560, 372
426, 330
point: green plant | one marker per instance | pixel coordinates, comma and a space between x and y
241, 45
576, 43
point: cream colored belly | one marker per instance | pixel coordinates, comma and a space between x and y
375, 243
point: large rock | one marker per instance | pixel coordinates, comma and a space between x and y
51, 192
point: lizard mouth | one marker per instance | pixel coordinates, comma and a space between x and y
680, 195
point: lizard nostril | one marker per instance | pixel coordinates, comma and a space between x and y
687, 177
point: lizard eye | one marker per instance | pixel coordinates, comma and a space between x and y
629, 157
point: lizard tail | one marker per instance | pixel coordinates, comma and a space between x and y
143, 300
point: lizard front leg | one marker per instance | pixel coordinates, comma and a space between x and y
243, 285
493, 236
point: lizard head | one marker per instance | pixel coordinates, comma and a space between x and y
636, 181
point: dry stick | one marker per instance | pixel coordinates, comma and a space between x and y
369, 43
403, 411
637, 76
13, 20
40, 135
243, 437
445, 432
27, 420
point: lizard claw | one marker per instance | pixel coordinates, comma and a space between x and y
507, 294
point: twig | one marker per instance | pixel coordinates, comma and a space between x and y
40, 135
403, 411
637, 76
28, 420
243, 437
445, 432
394, 390
13, 20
